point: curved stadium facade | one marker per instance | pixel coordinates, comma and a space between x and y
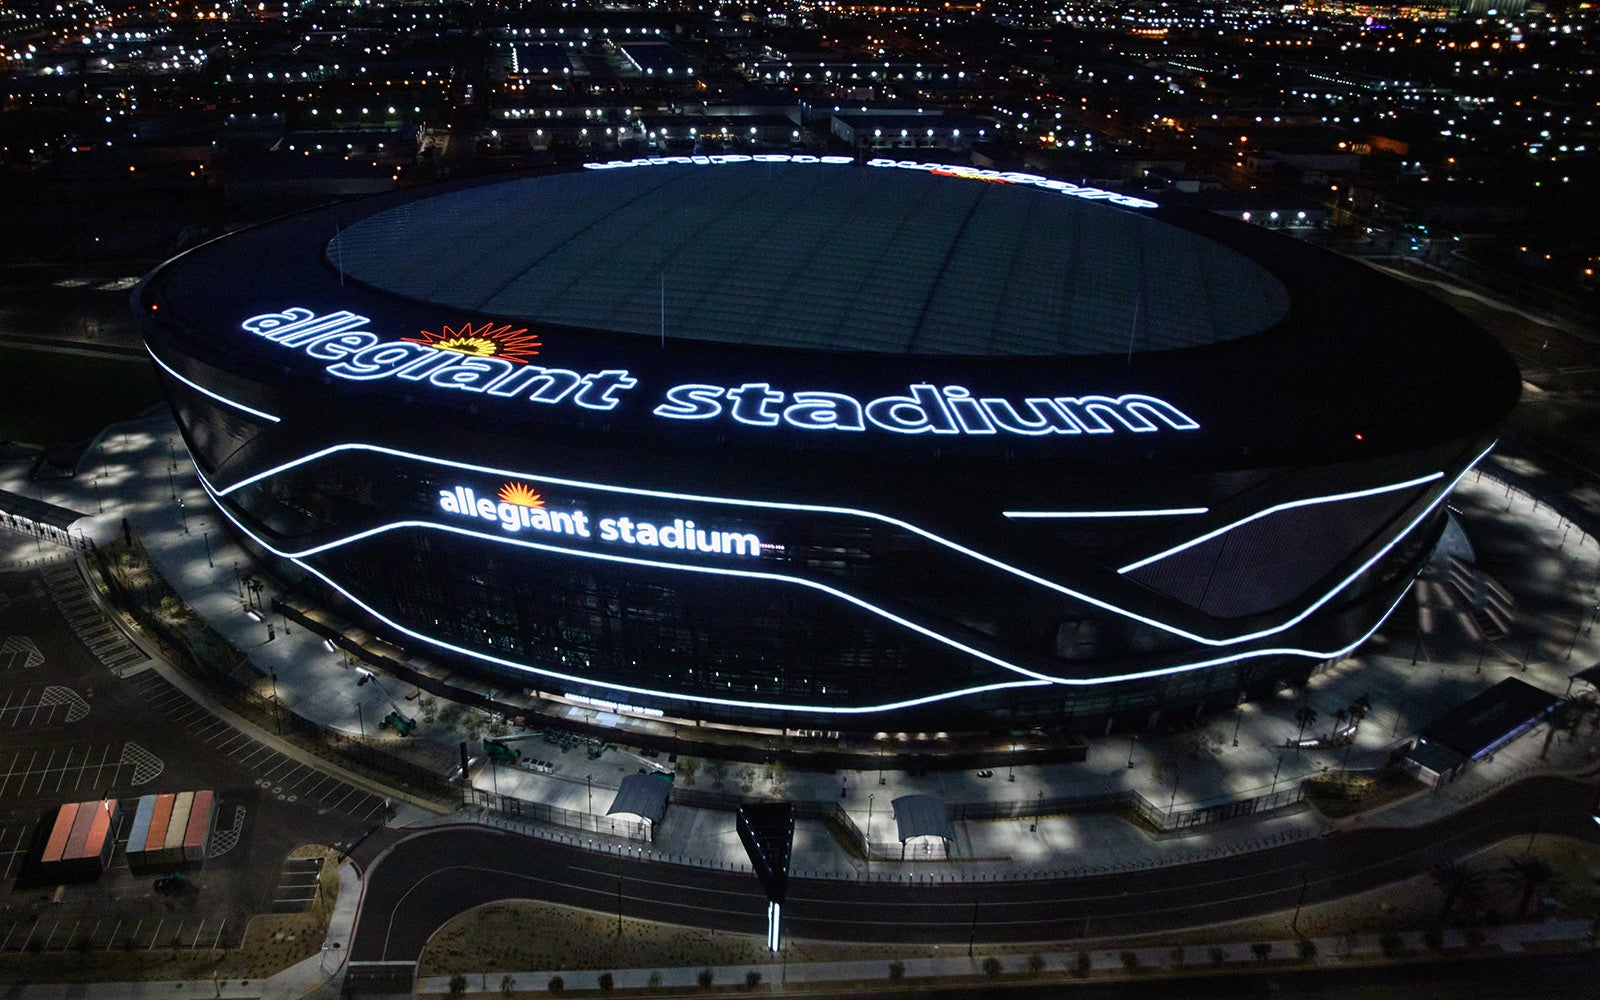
803, 442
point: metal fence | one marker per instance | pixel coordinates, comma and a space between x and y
512, 808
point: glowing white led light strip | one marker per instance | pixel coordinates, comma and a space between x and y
1047, 514
773, 706
884, 518
202, 389
942, 169
1309, 501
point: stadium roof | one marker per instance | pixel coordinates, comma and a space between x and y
828, 257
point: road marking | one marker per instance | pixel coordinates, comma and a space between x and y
146, 765
18, 652
45, 772
223, 841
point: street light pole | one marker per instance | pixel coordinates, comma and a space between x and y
1275, 771
589, 781
868, 848
1132, 740
1294, 923
205, 536
973, 935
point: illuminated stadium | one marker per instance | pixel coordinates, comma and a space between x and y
804, 442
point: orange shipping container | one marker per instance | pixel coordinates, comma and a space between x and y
99, 827
80, 831
57, 844
158, 822
194, 839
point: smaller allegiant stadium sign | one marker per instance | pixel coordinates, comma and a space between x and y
520, 508
492, 360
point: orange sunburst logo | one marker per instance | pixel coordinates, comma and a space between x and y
486, 341
521, 494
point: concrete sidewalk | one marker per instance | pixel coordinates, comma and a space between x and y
1147, 962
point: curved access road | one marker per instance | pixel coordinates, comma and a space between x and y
426, 879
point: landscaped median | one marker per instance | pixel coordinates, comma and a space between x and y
525, 947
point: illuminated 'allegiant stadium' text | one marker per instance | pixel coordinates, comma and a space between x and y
355, 354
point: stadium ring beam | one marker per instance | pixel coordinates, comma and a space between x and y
807, 442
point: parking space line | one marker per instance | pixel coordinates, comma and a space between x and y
288, 762
161, 702
311, 772
211, 730
260, 749
322, 780
235, 737
9, 768
45, 771
377, 804
348, 792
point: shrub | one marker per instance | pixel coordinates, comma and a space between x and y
655, 979
1130, 960
606, 982
1218, 956
752, 979
1307, 949
1084, 965
1262, 950
1433, 939
992, 967
897, 971
1176, 958
557, 984
705, 978
1035, 963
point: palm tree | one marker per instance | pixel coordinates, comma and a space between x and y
1305, 715
1532, 873
1358, 711
1460, 884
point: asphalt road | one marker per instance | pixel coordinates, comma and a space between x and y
423, 881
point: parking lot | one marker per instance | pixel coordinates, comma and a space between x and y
40, 706
282, 776
72, 771
81, 718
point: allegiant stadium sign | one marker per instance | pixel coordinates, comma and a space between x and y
519, 508
491, 361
